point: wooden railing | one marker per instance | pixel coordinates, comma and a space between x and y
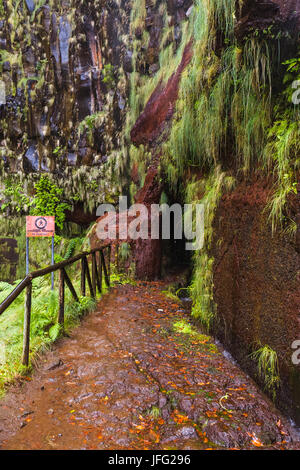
99, 267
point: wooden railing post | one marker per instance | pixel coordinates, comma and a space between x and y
26, 328
70, 286
100, 271
93, 283
104, 269
117, 256
88, 276
61, 311
83, 290
97, 275
109, 261
94, 273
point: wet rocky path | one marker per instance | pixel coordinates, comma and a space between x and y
137, 375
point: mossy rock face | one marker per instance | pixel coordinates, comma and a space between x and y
62, 64
8, 259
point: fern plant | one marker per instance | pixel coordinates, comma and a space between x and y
268, 368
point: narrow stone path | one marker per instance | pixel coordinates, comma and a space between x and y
137, 375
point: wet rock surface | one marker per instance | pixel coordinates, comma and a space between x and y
9, 258
56, 59
137, 375
251, 277
262, 14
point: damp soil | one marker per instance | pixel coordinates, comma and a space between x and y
132, 376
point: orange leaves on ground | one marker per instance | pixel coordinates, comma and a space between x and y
187, 381
140, 427
279, 425
255, 441
211, 414
179, 418
154, 436
239, 389
202, 435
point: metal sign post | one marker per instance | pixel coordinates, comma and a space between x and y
40, 226
27, 256
52, 262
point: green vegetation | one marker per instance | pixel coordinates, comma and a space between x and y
228, 115
109, 75
283, 147
140, 159
155, 412
124, 252
182, 326
16, 199
268, 368
48, 200
171, 294
207, 192
190, 338
142, 86
90, 123
44, 327
222, 99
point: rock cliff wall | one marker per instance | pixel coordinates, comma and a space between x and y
176, 99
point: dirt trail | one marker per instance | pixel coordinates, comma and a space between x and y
128, 379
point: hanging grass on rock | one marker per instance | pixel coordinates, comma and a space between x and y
207, 192
268, 368
224, 125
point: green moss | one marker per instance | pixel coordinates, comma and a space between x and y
186, 328
225, 110
216, 107
207, 192
225, 118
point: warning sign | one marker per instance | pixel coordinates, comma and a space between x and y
40, 226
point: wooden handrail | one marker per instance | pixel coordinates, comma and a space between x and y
14, 294
94, 282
